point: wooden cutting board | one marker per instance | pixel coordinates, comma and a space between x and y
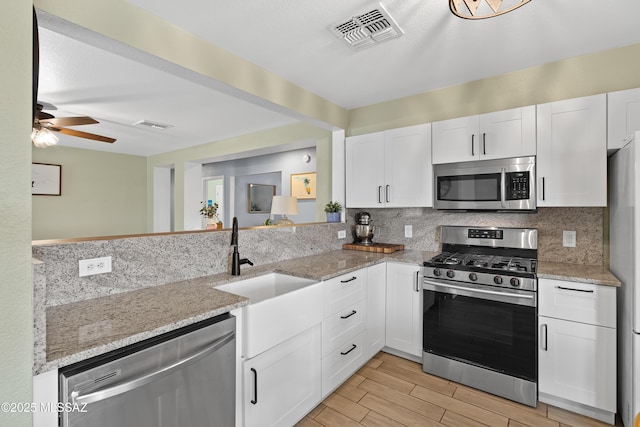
386, 248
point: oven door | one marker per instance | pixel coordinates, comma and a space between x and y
482, 326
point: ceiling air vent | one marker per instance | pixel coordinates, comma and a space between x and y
368, 29
152, 125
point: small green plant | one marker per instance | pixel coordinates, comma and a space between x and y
208, 211
333, 207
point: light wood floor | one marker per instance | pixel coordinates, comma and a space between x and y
390, 391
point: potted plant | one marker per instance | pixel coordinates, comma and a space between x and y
210, 212
333, 210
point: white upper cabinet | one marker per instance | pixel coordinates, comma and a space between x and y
572, 152
623, 117
390, 168
502, 134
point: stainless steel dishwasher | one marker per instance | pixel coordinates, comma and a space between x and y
184, 378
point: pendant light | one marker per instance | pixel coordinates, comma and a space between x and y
481, 9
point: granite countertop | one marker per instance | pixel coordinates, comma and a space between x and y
80, 330
84, 329
595, 274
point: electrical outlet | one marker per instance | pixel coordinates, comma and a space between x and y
408, 231
89, 267
569, 239
342, 234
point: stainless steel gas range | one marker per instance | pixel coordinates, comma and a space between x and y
480, 308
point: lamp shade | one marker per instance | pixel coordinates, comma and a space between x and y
284, 205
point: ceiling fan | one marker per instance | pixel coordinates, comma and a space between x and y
44, 123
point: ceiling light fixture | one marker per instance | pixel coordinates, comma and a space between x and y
481, 9
43, 137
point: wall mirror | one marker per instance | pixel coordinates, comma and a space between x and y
260, 197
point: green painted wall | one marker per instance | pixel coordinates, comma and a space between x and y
601, 72
103, 194
16, 334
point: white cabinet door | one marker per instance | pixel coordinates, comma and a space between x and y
284, 383
497, 135
455, 140
365, 171
577, 362
572, 152
376, 287
390, 168
623, 116
508, 133
404, 309
408, 168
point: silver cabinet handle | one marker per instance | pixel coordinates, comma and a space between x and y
417, 284
543, 338
152, 376
255, 386
387, 192
380, 194
349, 280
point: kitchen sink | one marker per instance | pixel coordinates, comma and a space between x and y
281, 306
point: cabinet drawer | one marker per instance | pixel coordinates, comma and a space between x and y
342, 327
343, 291
579, 302
342, 363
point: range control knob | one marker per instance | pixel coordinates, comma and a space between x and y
437, 272
450, 274
497, 280
515, 281
473, 277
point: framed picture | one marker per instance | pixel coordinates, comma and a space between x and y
260, 197
303, 185
46, 179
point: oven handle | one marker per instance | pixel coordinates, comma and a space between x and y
519, 299
152, 376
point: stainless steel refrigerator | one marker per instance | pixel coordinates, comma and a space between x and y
624, 229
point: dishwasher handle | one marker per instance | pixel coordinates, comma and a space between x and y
117, 389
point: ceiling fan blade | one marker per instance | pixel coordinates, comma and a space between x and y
68, 121
85, 135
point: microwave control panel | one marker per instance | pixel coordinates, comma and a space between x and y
517, 185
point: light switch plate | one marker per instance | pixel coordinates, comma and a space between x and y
569, 239
408, 231
342, 234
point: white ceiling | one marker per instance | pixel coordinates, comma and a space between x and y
290, 38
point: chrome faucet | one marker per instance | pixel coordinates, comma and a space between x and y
236, 261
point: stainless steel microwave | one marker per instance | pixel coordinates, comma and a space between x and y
489, 185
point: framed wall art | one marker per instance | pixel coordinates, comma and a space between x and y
303, 185
46, 179
260, 197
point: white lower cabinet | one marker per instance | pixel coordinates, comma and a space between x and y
577, 347
404, 309
343, 328
342, 363
376, 303
283, 384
